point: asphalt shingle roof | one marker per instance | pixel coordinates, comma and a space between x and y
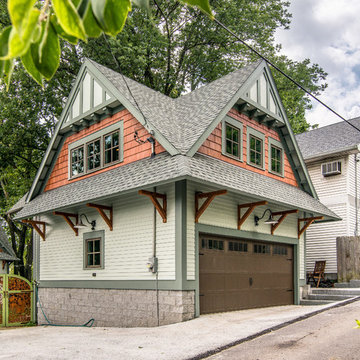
329, 139
7, 253
163, 168
182, 120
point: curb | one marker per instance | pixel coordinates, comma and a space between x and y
273, 328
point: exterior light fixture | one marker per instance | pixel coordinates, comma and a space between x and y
270, 220
81, 225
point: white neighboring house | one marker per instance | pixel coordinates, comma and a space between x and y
331, 154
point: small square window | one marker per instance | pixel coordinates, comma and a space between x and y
276, 159
256, 151
77, 161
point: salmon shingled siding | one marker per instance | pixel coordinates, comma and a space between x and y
213, 147
132, 150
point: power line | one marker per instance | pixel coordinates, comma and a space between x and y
283, 73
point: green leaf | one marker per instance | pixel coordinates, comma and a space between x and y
18, 46
203, 5
111, 14
19, 11
71, 39
4, 41
48, 61
69, 19
143, 4
358, 324
92, 27
30, 67
83, 7
6, 71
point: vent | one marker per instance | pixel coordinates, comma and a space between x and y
332, 168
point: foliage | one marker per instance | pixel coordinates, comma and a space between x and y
26, 124
37, 26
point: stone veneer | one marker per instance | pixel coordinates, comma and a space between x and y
118, 308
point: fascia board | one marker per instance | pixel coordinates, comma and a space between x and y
239, 94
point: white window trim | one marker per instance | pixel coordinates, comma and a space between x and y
251, 131
98, 134
237, 124
275, 143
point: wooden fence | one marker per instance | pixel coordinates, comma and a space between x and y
348, 258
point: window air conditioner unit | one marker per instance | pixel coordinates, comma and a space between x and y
331, 168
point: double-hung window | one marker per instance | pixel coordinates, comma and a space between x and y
96, 151
255, 148
232, 131
276, 157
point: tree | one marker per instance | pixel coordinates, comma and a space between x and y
26, 124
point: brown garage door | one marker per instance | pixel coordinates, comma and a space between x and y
240, 274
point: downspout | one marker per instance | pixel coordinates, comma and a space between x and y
356, 197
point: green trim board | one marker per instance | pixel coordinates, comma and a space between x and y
237, 124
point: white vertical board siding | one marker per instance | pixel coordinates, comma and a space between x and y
222, 212
127, 247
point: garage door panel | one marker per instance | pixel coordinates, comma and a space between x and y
242, 274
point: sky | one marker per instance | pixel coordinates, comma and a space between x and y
328, 33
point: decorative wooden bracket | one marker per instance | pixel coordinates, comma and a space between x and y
283, 214
210, 196
308, 222
154, 199
67, 217
35, 224
100, 209
251, 207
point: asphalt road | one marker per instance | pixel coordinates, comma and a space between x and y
330, 335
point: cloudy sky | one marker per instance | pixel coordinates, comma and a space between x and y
328, 32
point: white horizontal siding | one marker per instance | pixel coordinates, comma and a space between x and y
127, 247
321, 241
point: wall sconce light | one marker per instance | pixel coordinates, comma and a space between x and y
81, 225
270, 220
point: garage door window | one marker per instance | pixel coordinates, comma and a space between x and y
212, 244
280, 250
261, 249
238, 246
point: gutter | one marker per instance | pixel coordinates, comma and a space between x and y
353, 149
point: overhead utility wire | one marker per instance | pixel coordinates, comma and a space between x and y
283, 73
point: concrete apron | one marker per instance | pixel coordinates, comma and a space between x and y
194, 339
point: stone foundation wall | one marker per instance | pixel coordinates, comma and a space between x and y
117, 308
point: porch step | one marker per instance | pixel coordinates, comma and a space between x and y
350, 284
336, 291
330, 297
315, 302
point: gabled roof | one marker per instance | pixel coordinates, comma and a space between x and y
180, 125
165, 168
330, 140
8, 253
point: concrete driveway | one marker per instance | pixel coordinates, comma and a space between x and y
193, 339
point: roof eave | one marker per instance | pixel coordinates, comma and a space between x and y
353, 149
